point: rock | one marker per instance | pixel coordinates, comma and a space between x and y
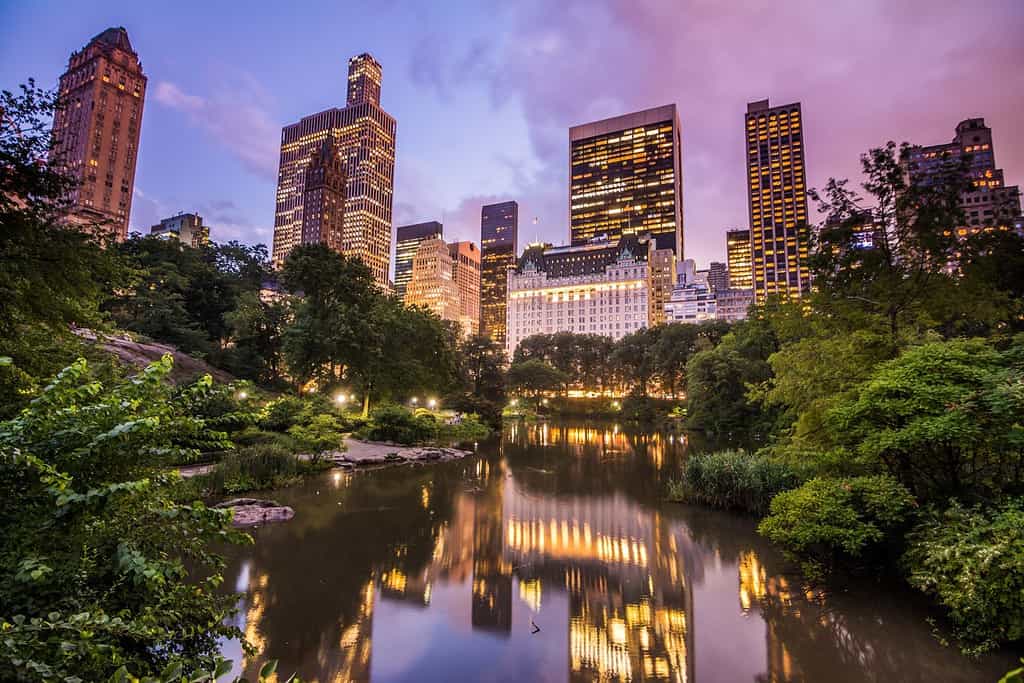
252, 511
252, 502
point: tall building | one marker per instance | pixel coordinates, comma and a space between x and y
499, 235
188, 228
364, 140
407, 241
323, 198
990, 203
597, 288
777, 184
466, 273
661, 279
432, 284
626, 177
738, 259
718, 276
96, 131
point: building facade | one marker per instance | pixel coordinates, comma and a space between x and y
777, 199
598, 288
732, 304
626, 177
718, 276
691, 303
662, 274
499, 241
466, 273
363, 135
96, 131
407, 241
990, 203
432, 284
188, 228
323, 198
738, 259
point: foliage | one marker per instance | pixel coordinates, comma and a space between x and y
943, 418
256, 329
254, 468
972, 561
827, 520
282, 413
321, 433
534, 377
101, 565
481, 379
464, 428
400, 425
736, 480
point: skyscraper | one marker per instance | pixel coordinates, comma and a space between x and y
499, 235
407, 241
364, 139
718, 276
626, 177
777, 184
96, 131
466, 273
738, 260
432, 284
323, 198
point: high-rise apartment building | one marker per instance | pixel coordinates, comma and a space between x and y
407, 241
432, 284
777, 185
718, 276
990, 203
661, 280
499, 235
188, 228
626, 177
466, 273
323, 198
363, 135
738, 259
96, 130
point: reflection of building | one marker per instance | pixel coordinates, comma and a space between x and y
777, 185
187, 228
96, 130
364, 139
499, 234
407, 241
626, 178
597, 288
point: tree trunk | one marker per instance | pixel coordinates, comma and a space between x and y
366, 404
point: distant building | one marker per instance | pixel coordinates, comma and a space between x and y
432, 284
323, 198
990, 203
466, 273
363, 135
732, 304
186, 227
407, 241
626, 178
699, 296
661, 279
96, 131
691, 303
598, 288
777, 195
499, 239
738, 259
718, 276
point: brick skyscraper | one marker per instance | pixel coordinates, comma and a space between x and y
364, 139
499, 240
777, 185
96, 131
323, 198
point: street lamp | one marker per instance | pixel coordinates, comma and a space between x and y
414, 400
242, 395
340, 399
432, 403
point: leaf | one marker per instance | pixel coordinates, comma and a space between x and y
267, 669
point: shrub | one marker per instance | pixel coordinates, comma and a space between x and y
282, 414
737, 480
972, 561
255, 468
826, 520
323, 432
468, 428
398, 424
253, 436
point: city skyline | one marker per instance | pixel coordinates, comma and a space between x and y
188, 113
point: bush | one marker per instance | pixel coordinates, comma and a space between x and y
826, 520
323, 432
398, 424
282, 414
972, 561
253, 436
736, 480
469, 428
255, 468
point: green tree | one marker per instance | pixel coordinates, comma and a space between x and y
534, 377
675, 346
634, 359
257, 330
481, 385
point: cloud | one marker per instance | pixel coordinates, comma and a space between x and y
235, 120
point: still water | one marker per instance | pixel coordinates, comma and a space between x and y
550, 556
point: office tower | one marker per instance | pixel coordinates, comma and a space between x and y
777, 184
499, 235
466, 273
432, 284
188, 228
597, 288
990, 203
718, 276
323, 198
407, 241
738, 259
661, 278
626, 177
363, 135
96, 131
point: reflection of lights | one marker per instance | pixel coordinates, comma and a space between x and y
530, 592
425, 497
617, 631
336, 479
752, 580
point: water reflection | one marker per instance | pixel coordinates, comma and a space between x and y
550, 558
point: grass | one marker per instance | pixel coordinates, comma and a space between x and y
733, 480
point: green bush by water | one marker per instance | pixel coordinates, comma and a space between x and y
401, 425
254, 468
735, 480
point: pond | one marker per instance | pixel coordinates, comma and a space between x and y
551, 556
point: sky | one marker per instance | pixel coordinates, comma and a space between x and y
484, 92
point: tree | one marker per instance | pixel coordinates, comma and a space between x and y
481, 386
675, 346
633, 358
257, 338
534, 377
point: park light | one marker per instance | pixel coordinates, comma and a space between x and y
242, 395
514, 402
352, 397
414, 400
615, 405
545, 401
340, 399
432, 403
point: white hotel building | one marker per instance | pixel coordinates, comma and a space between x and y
595, 288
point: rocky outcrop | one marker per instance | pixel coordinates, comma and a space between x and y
248, 512
363, 453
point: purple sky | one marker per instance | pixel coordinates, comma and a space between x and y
484, 93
